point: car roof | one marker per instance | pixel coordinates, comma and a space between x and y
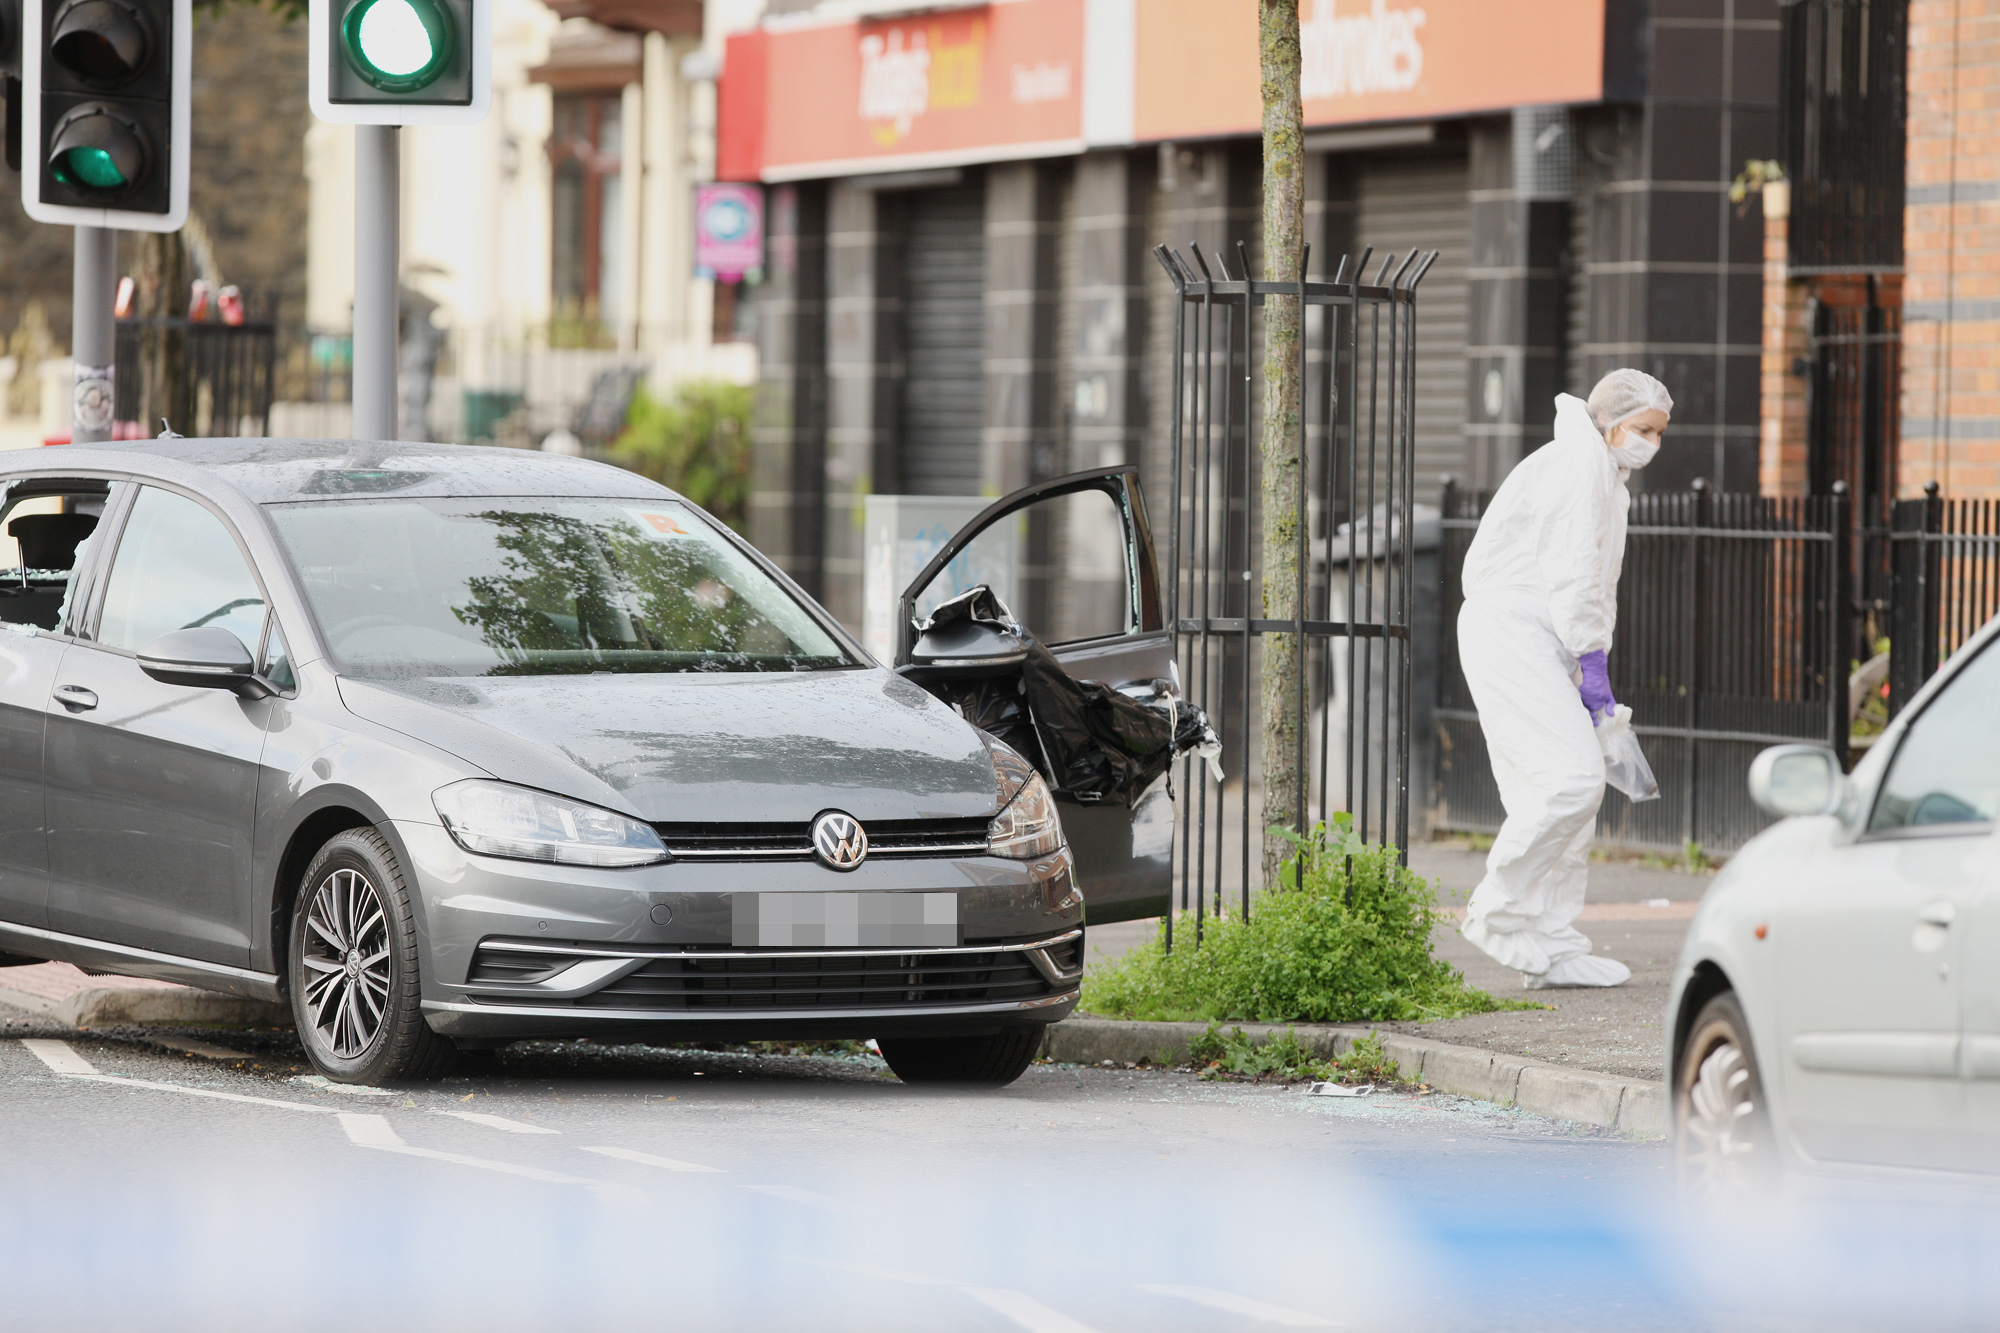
270, 471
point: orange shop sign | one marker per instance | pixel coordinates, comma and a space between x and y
819, 98
960, 83
1197, 72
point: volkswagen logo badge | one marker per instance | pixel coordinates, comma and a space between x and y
839, 841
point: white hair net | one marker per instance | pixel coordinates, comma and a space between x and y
1624, 394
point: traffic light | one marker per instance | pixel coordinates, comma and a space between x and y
400, 62
104, 112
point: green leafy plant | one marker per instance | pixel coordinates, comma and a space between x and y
1225, 1053
1344, 938
698, 442
1756, 174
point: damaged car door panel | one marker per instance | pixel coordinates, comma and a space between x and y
1073, 666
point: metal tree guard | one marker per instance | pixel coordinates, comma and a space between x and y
1353, 561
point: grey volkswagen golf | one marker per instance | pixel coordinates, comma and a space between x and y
449, 747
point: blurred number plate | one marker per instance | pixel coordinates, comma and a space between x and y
843, 920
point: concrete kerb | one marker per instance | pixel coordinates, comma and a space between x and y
1631, 1106
112, 1006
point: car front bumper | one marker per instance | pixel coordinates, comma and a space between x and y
517, 949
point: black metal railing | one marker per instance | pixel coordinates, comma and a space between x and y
1352, 561
225, 374
1946, 558
1733, 634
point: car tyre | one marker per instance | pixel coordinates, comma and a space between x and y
991, 1061
1723, 1146
355, 984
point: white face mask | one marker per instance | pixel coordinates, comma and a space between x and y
1636, 450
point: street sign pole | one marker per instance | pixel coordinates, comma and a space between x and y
93, 338
377, 236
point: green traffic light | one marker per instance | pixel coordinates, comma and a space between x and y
98, 150
92, 168
399, 46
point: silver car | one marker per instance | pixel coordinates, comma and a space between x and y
449, 747
1836, 1011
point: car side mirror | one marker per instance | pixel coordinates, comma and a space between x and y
965, 650
208, 657
1797, 780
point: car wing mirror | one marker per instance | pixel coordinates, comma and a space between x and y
1798, 780
208, 657
965, 650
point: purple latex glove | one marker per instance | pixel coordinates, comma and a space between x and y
1596, 687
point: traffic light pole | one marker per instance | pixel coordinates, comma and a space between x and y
93, 337
377, 228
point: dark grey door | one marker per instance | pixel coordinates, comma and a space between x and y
152, 788
27, 673
1073, 558
944, 339
44, 543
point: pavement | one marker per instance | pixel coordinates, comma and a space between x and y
83, 1000
1636, 913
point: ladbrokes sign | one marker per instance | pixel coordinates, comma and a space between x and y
1027, 78
995, 81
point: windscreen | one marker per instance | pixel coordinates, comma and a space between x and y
500, 587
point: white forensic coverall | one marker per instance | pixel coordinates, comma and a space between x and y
1541, 587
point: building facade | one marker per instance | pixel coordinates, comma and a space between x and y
549, 246
960, 295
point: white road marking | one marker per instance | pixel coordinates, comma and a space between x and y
1243, 1305
1025, 1310
365, 1131
374, 1131
370, 1131
58, 1056
321, 1083
497, 1122
203, 1092
647, 1159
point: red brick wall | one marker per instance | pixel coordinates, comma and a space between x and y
1951, 239
1781, 438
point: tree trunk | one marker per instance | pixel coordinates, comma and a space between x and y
1284, 251
162, 279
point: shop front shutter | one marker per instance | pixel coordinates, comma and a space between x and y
944, 339
1422, 203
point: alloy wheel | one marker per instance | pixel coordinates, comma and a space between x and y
1719, 1140
346, 958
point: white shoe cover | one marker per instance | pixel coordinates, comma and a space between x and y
1581, 970
1510, 948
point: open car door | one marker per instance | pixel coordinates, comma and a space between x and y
1072, 559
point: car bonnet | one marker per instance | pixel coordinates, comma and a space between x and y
678, 747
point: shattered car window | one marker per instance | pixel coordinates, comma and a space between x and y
475, 587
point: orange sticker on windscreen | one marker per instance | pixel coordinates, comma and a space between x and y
665, 523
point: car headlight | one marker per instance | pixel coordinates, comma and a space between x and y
1027, 826
500, 819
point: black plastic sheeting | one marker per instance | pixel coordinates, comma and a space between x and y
1089, 741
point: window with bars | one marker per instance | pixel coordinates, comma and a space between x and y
588, 263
